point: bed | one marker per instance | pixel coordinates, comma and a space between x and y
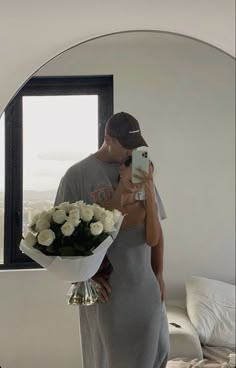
183, 339
202, 328
186, 350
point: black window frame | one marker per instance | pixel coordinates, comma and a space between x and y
13, 203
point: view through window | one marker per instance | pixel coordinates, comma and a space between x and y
58, 131
51, 124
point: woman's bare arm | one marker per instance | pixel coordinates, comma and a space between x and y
153, 227
132, 209
157, 255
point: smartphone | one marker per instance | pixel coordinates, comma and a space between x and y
140, 160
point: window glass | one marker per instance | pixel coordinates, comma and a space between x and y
58, 131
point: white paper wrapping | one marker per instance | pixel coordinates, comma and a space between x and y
72, 269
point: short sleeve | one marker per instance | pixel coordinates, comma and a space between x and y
141, 196
65, 192
161, 209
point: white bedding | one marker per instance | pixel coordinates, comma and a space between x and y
218, 354
195, 363
214, 357
211, 309
184, 341
186, 350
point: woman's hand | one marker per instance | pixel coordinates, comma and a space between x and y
125, 183
146, 179
102, 277
104, 288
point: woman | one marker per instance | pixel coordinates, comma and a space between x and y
129, 328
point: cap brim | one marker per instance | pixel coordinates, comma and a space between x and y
133, 142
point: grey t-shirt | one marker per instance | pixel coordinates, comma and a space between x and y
90, 180
93, 180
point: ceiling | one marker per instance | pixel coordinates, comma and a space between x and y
32, 32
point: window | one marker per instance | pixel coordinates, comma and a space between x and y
51, 124
2, 190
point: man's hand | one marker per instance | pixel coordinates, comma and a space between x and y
104, 289
162, 286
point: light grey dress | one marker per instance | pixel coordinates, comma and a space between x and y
131, 329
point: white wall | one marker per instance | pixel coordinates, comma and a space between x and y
32, 32
37, 327
183, 94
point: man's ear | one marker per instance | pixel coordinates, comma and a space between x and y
107, 139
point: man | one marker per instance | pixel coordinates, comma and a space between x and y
93, 180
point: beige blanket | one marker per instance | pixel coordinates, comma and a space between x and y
213, 358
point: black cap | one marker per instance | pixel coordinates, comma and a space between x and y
125, 128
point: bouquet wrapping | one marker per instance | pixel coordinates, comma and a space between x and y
71, 241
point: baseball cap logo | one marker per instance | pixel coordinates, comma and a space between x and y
134, 131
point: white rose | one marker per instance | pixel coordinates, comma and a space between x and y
64, 206
74, 217
89, 206
108, 224
107, 215
35, 219
42, 224
86, 214
96, 228
98, 212
67, 229
50, 213
80, 204
75, 212
46, 237
73, 206
116, 215
30, 239
59, 216
75, 221
45, 215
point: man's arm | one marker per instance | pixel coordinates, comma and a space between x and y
157, 255
66, 191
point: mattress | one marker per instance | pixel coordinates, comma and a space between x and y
184, 340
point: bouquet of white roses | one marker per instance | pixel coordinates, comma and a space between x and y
71, 241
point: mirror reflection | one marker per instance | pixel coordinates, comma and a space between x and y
183, 94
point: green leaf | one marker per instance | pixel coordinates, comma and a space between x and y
67, 252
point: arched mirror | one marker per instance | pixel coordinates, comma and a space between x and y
183, 93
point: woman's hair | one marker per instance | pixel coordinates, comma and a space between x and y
128, 162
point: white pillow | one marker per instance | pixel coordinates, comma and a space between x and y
211, 309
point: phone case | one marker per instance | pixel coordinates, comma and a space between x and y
139, 160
